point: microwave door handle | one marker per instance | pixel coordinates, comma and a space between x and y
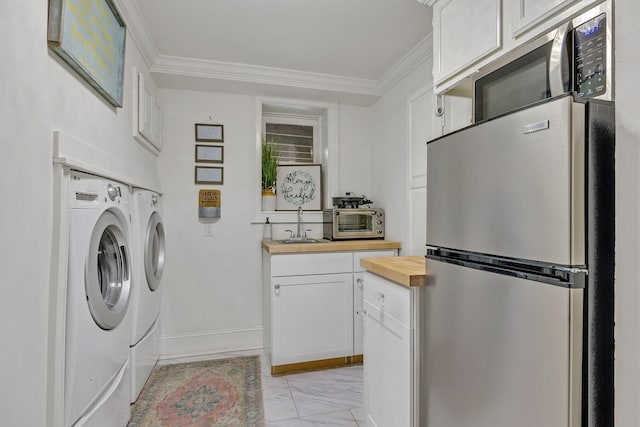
557, 57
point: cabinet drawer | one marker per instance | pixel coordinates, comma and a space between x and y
387, 299
357, 256
306, 264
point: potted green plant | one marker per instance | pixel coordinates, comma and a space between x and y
270, 158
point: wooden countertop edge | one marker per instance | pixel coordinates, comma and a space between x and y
407, 271
274, 247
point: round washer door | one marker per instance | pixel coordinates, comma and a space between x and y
107, 274
154, 251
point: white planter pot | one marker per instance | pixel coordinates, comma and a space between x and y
269, 202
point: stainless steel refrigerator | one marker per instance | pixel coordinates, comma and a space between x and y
520, 249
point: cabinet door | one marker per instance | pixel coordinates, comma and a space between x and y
388, 363
358, 299
463, 33
312, 317
145, 109
529, 13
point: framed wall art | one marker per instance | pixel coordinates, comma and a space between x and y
209, 175
299, 186
209, 133
90, 37
209, 154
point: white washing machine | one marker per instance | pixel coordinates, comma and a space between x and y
98, 294
148, 256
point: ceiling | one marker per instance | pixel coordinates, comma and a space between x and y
355, 47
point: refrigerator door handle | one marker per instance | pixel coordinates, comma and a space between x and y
563, 276
573, 270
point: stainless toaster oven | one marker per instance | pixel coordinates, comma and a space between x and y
353, 223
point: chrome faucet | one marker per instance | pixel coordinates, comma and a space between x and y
299, 236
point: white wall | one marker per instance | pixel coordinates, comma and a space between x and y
355, 151
41, 94
422, 126
389, 158
627, 333
212, 299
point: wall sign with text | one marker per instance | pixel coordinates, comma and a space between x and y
298, 186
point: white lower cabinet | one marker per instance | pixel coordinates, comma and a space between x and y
313, 307
358, 293
311, 318
391, 367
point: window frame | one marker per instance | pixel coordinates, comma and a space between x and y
296, 119
327, 148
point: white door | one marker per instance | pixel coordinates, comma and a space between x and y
107, 272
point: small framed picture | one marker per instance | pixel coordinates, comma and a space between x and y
209, 175
209, 154
209, 133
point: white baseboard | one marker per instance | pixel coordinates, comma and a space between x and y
210, 342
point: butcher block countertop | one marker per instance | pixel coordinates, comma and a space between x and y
277, 247
403, 270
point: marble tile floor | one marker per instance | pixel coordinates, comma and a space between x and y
324, 398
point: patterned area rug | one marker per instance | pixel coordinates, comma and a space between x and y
223, 392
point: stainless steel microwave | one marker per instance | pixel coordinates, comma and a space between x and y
575, 57
353, 223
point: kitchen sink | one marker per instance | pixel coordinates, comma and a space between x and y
303, 241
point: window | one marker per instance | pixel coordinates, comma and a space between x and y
307, 132
294, 136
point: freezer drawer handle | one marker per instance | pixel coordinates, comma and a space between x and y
558, 275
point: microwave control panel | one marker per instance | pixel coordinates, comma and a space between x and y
590, 53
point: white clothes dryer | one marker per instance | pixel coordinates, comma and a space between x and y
98, 295
148, 255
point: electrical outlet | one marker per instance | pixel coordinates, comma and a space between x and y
208, 230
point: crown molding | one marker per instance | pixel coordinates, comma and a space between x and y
258, 75
138, 30
220, 70
416, 56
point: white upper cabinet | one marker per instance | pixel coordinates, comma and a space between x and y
468, 35
529, 13
145, 109
147, 114
464, 32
